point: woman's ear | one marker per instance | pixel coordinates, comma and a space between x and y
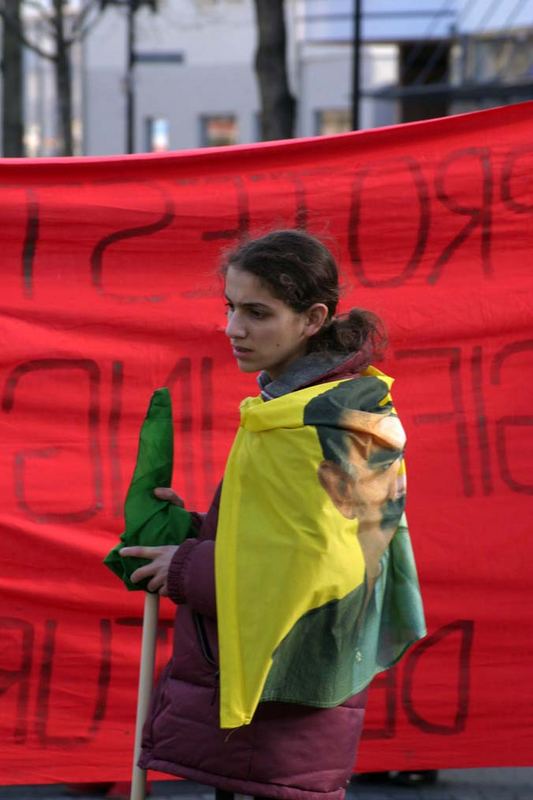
340, 487
316, 317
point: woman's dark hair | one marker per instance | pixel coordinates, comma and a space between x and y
300, 270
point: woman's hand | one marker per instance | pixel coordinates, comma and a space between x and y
165, 493
160, 557
157, 569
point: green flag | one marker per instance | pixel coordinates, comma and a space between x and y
150, 522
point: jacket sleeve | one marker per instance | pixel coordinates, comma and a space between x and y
191, 577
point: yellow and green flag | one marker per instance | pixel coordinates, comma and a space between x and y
315, 578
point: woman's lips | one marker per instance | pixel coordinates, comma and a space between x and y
241, 352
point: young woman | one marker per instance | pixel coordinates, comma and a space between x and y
283, 625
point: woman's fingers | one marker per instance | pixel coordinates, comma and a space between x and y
137, 551
149, 570
165, 493
156, 584
156, 569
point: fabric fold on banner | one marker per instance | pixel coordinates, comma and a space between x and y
313, 495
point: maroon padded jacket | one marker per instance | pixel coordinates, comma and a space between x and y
289, 751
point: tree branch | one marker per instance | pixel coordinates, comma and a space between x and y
19, 32
80, 25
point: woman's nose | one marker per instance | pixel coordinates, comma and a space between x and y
234, 327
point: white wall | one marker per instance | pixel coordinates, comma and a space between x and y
217, 40
208, 32
326, 82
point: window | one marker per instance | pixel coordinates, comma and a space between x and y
157, 134
218, 129
257, 132
329, 121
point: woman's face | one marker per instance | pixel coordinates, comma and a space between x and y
265, 333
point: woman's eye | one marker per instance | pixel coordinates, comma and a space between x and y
256, 313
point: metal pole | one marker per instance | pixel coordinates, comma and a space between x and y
356, 64
130, 88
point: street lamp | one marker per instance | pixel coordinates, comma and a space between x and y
356, 64
132, 6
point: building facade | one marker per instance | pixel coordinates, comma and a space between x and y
193, 82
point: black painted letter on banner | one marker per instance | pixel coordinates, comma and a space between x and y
424, 215
480, 215
8, 401
511, 420
20, 675
465, 629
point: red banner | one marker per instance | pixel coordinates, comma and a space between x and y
109, 289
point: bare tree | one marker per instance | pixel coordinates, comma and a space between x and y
12, 103
278, 106
63, 26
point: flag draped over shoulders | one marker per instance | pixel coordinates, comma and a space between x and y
316, 583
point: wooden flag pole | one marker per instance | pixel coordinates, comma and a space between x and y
146, 682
